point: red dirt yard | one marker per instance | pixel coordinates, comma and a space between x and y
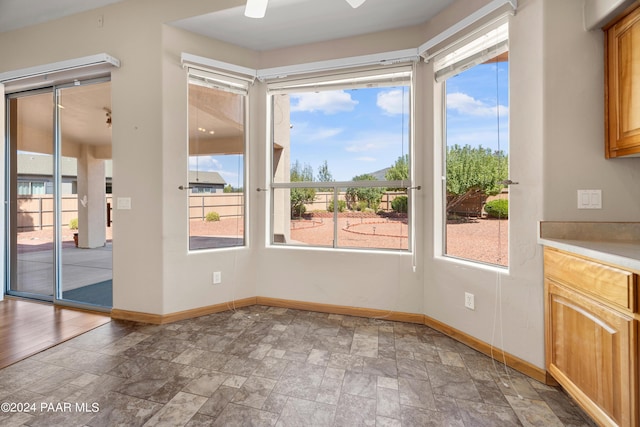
484, 240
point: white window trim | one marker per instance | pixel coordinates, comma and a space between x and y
335, 80
222, 78
56, 73
470, 24
440, 147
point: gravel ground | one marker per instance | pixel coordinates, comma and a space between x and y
485, 240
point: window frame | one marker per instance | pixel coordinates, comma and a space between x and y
365, 77
444, 68
239, 85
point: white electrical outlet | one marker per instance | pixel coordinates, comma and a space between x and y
469, 301
217, 277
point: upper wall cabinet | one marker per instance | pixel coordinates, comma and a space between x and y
622, 85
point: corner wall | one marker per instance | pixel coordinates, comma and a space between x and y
574, 132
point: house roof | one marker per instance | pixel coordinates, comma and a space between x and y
200, 177
42, 165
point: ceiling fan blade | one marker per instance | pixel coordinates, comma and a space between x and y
255, 8
355, 3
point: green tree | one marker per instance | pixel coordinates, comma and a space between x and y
398, 172
300, 196
231, 189
369, 195
472, 171
324, 175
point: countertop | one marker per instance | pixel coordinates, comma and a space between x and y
611, 242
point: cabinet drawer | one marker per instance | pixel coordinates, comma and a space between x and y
607, 283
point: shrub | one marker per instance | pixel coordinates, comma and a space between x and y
342, 206
212, 216
297, 210
473, 171
400, 204
301, 196
73, 224
370, 195
362, 205
497, 208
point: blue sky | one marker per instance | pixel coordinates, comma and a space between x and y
356, 131
472, 107
365, 130
361, 131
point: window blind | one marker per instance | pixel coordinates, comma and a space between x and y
218, 74
215, 80
479, 49
385, 76
57, 73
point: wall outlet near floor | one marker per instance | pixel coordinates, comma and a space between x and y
217, 277
469, 301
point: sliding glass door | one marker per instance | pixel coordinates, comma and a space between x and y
59, 185
31, 237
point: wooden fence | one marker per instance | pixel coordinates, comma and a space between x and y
36, 212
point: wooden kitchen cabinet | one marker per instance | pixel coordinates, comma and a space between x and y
591, 335
622, 85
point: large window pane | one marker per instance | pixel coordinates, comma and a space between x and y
31, 215
476, 163
340, 159
216, 167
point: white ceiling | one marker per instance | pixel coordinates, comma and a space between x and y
295, 22
287, 22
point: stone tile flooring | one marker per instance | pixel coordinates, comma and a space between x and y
264, 366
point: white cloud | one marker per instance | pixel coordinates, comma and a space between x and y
393, 101
465, 104
374, 142
366, 159
204, 163
327, 102
358, 147
304, 132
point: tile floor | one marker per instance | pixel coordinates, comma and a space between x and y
264, 366
80, 267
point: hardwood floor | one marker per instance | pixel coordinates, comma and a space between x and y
27, 328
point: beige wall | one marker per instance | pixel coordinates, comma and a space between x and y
574, 125
556, 148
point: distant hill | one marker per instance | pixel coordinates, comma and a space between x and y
380, 175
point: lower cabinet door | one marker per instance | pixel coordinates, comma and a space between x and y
591, 350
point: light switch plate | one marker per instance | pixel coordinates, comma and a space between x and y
589, 199
123, 203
